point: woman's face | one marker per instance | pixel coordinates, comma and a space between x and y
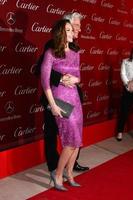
69, 32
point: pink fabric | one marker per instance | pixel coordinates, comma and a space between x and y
70, 130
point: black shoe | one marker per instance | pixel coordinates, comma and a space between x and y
80, 168
119, 137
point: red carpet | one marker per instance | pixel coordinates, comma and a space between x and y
112, 180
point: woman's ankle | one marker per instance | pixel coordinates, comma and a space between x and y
69, 175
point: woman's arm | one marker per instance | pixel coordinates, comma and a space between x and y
45, 80
56, 111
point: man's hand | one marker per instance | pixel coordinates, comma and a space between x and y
69, 80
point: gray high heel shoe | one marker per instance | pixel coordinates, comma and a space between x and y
73, 183
57, 186
64, 174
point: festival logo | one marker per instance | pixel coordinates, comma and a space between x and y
102, 98
19, 132
10, 70
96, 18
20, 90
36, 108
105, 36
106, 4
36, 27
103, 67
114, 22
53, 10
96, 51
86, 67
27, 6
90, 1
93, 114
94, 83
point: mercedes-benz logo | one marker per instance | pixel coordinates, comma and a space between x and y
88, 28
85, 95
9, 107
10, 17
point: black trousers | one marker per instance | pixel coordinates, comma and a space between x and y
125, 106
50, 137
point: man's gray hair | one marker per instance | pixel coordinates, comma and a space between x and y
71, 16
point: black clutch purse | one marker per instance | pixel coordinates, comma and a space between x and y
67, 107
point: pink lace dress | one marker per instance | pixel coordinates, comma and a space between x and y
70, 130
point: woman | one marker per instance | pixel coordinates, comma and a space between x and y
66, 61
127, 96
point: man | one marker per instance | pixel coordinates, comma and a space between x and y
51, 129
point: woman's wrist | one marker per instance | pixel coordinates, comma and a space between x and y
52, 104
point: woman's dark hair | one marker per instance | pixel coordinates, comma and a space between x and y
59, 38
131, 55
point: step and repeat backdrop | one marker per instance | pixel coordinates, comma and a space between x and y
25, 26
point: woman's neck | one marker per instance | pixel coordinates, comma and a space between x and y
67, 47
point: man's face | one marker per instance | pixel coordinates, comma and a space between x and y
76, 27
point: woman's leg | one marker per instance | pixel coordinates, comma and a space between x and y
70, 163
50, 137
66, 154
